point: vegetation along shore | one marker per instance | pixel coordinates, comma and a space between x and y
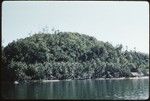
69, 55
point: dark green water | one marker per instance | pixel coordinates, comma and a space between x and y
79, 89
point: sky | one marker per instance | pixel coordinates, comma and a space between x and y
118, 22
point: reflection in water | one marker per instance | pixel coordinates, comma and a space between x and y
79, 89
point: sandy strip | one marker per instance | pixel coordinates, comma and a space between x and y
50, 80
144, 77
121, 78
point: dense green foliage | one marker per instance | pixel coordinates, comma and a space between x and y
67, 55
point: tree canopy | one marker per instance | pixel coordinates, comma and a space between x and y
68, 55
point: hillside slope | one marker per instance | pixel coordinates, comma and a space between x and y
68, 55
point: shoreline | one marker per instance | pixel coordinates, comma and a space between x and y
121, 78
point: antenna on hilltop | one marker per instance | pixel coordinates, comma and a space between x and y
30, 33
53, 30
135, 49
45, 29
126, 47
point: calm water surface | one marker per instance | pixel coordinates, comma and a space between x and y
79, 89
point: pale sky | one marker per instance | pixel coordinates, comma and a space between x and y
118, 22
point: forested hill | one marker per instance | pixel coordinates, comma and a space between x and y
68, 55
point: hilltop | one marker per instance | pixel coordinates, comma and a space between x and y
68, 55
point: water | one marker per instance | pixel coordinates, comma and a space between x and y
79, 89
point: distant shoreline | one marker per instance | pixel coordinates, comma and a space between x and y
121, 78
144, 77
